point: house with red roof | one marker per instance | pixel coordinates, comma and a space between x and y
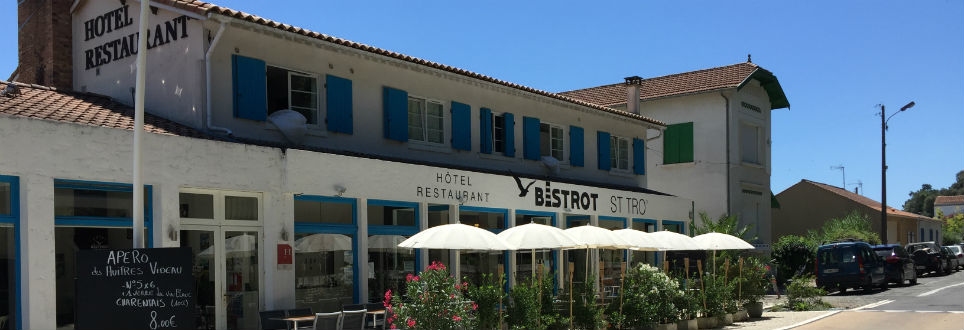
949, 205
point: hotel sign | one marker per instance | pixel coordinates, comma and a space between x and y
126, 46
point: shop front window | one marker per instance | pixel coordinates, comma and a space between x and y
438, 215
473, 264
576, 257
89, 216
324, 252
525, 264
610, 261
645, 257
8, 254
390, 223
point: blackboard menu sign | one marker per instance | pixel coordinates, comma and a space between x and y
135, 289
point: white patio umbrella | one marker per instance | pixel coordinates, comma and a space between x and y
721, 241
456, 236
532, 236
640, 240
386, 242
592, 237
675, 241
323, 243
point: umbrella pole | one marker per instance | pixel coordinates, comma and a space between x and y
571, 265
699, 268
622, 286
533, 264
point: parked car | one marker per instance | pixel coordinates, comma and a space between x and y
956, 256
899, 264
845, 265
929, 257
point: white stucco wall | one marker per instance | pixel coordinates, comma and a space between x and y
949, 210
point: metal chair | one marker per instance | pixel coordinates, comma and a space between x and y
269, 322
353, 320
328, 321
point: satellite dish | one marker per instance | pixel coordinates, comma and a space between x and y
551, 163
292, 124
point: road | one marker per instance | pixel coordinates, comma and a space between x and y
936, 302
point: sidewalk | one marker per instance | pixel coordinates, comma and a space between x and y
775, 320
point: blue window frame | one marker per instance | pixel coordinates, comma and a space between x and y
681, 225
555, 252
397, 230
610, 268
12, 218
505, 224
108, 220
648, 223
336, 228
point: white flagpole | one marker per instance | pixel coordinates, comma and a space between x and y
139, 125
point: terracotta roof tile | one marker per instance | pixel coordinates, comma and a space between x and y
41, 102
865, 200
205, 8
949, 200
705, 80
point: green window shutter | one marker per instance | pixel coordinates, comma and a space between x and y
686, 142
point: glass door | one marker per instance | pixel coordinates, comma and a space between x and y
241, 279
205, 269
227, 276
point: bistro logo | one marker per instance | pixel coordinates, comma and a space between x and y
553, 197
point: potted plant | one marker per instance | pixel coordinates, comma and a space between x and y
432, 300
715, 297
688, 307
486, 297
649, 298
755, 282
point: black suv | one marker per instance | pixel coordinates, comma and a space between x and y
849, 265
899, 264
929, 257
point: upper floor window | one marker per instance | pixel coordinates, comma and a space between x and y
619, 153
498, 132
678, 143
550, 140
292, 90
425, 120
750, 144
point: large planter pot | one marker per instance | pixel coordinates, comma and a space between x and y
740, 316
687, 325
707, 322
726, 319
666, 326
754, 309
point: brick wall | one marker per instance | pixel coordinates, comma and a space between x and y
44, 43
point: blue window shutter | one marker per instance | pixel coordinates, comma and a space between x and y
339, 104
461, 126
485, 130
639, 156
249, 76
509, 135
576, 148
530, 138
395, 108
602, 150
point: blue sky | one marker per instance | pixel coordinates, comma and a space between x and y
836, 60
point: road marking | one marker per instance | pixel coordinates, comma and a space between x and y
925, 294
872, 305
903, 311
809, 321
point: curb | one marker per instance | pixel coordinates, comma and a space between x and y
809, 321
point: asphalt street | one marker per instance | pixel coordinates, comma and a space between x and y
936, 302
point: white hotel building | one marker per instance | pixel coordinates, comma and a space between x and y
390, 145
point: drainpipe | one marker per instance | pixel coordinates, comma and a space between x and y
727, 162
207, 78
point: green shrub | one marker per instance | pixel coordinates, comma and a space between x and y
548, 316
717, 295
433, 300
755, 280
802, 295
486, 297
523, 309
649, 296
587, 314
854, 226
793, 255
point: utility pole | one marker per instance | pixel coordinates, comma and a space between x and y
883, 168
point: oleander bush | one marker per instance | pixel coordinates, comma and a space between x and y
433, 300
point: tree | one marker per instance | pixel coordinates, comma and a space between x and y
953, 229
922, 201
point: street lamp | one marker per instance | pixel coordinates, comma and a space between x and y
883, 168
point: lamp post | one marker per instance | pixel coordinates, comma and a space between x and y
883, 168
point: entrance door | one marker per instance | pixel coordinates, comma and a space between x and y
227, 276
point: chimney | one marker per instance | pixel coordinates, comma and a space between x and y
633, 85
44, 43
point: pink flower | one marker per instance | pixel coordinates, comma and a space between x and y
410, 323
393, 327
452, 296
415, 278
456, 318
457, 286
408, 278
475, 306
388, 298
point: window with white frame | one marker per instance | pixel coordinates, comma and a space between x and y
425, 120
750, 143
550, 141
619, 152
293, 90
197, 206
498, 133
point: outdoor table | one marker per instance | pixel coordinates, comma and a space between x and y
294, 320
375, 315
